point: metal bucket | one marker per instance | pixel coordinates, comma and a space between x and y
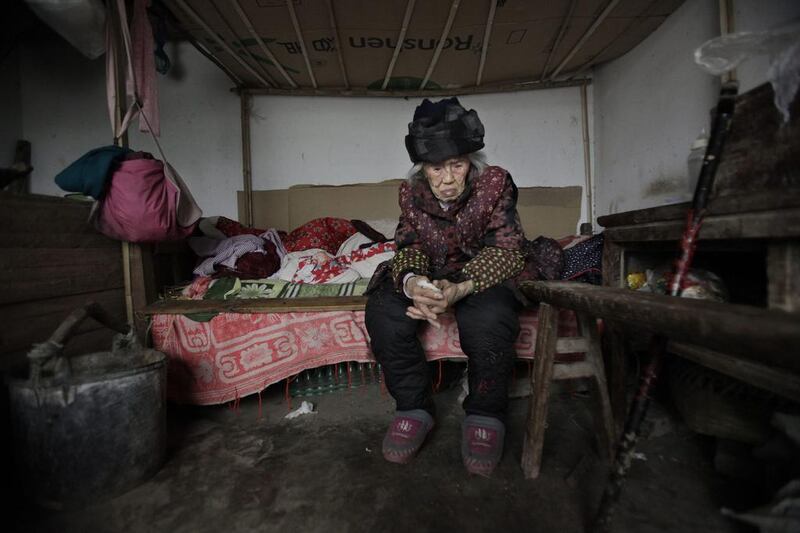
90, 426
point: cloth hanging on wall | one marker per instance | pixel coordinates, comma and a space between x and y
144, 67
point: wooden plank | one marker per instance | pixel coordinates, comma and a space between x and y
783, 275
743, 203
217, 39
601, 406
276, 305
299, 34
613, 261
29, 322
487, 35
337, 43
572, 345
108, 299
236, 38
768, 378
56, 240
762, 153
9, 199
400, 41
97, 339
511, 86
537, 405
21, 261
769, 336
254, 34
777, 224
41, 217
41, 282
142, 284
440, 46
559, 36
585, 37
617, 349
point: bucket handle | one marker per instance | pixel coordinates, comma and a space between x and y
52, 347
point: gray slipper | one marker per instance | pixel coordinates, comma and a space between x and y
482, 440
406, 434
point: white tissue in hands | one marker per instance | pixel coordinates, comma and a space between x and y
425, 284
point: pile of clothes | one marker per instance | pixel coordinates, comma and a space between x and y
323, 250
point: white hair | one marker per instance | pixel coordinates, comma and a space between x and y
477, 161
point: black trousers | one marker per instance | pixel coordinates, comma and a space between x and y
488, 326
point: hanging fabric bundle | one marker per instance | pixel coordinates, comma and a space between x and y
147, 200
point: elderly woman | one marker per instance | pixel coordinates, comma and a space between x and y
458, 247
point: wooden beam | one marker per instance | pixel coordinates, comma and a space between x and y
585, 37
236, 37
755, 373
299, 34
783, 275
246, 101
754, 201
338, 43
540, 385
587, 163
217, 39
261, 44
777, 224
211, 57
400, 38
633, 23
203, 49
770, 336
559, 36
126, 277
486, 36
526, 85
271, 305
727, 24
445, 32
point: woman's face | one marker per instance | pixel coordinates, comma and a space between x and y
447, 178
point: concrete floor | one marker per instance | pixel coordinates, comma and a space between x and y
227, 470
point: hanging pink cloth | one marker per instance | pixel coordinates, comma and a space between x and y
144, 66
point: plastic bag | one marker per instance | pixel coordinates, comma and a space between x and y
698, 284
721, 54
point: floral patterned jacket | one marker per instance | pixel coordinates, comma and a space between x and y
479, 237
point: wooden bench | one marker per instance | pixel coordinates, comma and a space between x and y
758, 346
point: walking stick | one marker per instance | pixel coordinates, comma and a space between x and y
688, 244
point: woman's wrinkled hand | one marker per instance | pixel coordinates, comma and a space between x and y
453, 292
429, 301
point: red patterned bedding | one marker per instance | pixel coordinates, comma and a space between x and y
234, 355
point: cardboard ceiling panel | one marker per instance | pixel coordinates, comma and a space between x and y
531, 43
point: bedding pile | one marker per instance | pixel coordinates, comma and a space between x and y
324, 250
218, 357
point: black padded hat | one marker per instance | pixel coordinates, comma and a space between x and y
441, 130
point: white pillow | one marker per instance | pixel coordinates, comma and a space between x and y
386, 226
352, 243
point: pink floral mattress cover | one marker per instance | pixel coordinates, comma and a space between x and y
234, 355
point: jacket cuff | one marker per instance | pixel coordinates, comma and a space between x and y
493, 266
409, 260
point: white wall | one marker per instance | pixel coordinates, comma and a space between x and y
536, 135
10, 108
651, 103
65, 115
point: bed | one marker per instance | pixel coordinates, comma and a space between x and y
222, 350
